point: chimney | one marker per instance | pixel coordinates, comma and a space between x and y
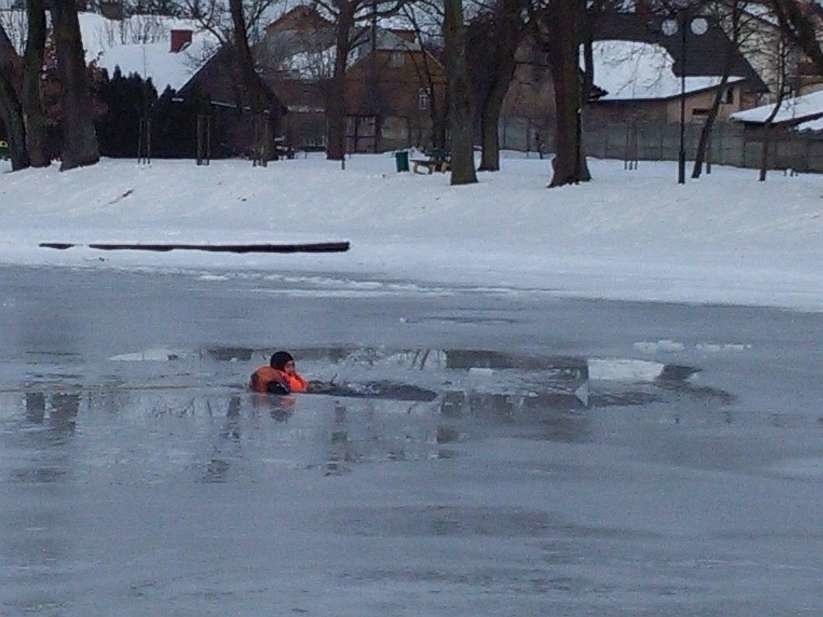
112, 9
180, 39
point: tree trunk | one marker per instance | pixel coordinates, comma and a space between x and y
461, 118
767, 135
569, 163
79, 139
34, 115
705, 134
490, 119
764, 153
508, 29
336, 101
12, 116
11, 113
490, 139
253, 84
706, 131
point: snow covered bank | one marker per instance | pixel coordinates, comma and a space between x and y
628, 235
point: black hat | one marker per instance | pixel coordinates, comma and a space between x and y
280, 358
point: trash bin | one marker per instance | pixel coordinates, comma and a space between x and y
402, 160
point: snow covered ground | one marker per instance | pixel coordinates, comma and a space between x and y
627, 235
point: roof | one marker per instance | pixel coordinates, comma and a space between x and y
310, 55
704, 53
792, 110
218, 78
811, 125
633, 70
155, 60
302, 18
301, 96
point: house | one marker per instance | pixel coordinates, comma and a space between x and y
390, 82
763, 45
216, 94
643, 66
639, 75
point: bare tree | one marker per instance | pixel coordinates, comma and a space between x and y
461, 116
424, 67
11, 110
34, 114
347, 15
79, 139
782, 89
799, 24
494, 37
237, 31
563, 24
256, 90
731, 16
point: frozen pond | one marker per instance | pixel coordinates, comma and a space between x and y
577, 458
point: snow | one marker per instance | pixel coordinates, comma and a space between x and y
626, 235
811, 125
141, 44
154, 60
665, 345
619, 369
638, 70
793, 108
101, 34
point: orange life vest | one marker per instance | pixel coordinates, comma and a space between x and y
265, 375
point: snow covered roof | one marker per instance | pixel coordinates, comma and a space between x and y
312, 56
155, 60
807, 106
704, 55
141, 44
631, 70
811, 125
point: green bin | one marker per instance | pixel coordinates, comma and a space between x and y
402, 160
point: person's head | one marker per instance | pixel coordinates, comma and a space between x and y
282, 361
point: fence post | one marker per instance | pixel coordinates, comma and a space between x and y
144, 141
203, 139
661, 132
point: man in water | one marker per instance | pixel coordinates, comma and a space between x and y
280, 377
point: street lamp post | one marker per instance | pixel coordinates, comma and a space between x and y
682, 23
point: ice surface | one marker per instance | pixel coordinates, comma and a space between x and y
162, 486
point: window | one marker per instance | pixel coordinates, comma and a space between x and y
397, 59
423, 99
700, 111
728, 96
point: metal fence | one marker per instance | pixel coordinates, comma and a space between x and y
730, 144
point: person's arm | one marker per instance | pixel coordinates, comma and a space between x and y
276, 387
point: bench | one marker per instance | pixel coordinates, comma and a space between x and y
438, 161
431, 165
